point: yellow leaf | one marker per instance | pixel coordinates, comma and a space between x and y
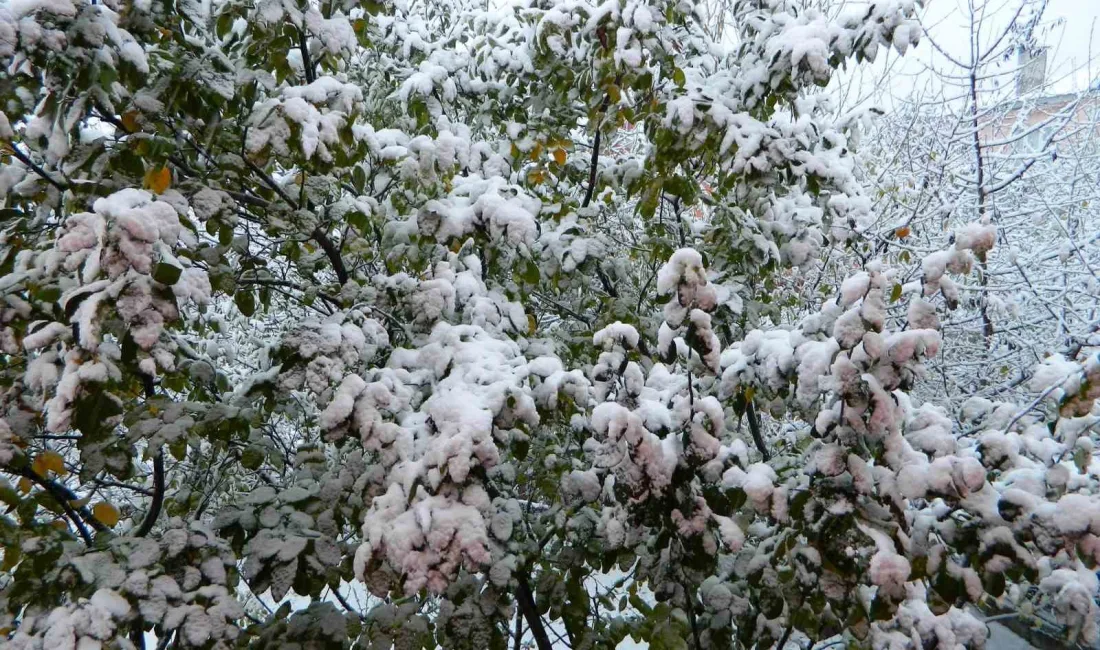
106, 513
50, 461
559, 156
902, 232
158, 179
536, 152
25, 485
129, 121
536, 177
532, 324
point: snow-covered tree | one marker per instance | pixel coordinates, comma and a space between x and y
464, 305
989, 139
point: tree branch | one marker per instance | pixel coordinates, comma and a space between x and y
126, 486
158, 474
343, 601
783, 639
319, 235
607, 286
754, 428
64, 496
270, 182
333, 254
526, 602
158, 496
519, 632
688, 598
273, 282
307, 62
37, 170
592, 169
562, 308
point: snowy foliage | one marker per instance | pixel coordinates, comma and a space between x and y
472, 326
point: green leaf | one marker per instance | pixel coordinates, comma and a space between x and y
857, 623
129, 348
246, 302
166, 273
530, 273
881, 608
222, 27
994, 583
679, 78
92, 410
717, 500
614, 94
948, 587
520, 449
813, 185
252, 457
358, 178
12, 553
895, 293
178, 448
1082, 458
681, 187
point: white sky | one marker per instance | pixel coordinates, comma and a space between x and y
1070, 31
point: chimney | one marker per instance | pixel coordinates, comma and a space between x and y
1031, 70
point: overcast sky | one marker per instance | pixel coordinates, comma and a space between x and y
1070, 30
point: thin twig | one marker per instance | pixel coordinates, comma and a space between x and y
37, 170
158, 474
343, 601
158, 496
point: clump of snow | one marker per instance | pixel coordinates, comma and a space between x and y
976, 236
616, 333
888, 569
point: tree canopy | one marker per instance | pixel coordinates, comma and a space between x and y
456, 324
